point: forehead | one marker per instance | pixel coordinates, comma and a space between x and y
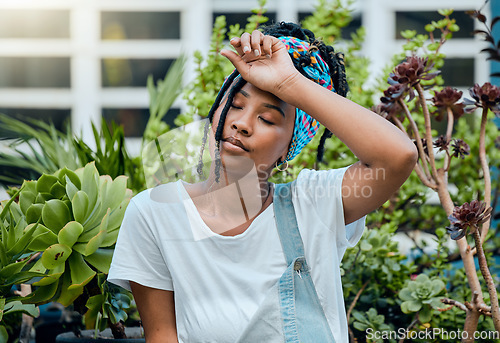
256, 94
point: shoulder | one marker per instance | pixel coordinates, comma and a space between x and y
313, 181
160, 196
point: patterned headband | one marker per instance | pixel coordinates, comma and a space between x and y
308, 59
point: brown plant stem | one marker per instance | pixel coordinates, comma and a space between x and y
449, 126
472, 314
486, 171
355, 300
118, 330
483, 266
428, 130
455, 303
449, 131
418, 140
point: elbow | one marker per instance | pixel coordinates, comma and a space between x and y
407, 158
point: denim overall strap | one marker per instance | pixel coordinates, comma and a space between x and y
288, 229
303, 317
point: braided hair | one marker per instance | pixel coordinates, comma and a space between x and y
336, 66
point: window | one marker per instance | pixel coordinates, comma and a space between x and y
34, 24
140, 25
44, 72
458, 72
346, 31
418, 20
121, 72
233, 18
59, 117
134, 120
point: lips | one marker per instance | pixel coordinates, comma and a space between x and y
236, 142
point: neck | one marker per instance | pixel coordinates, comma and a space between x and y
240, 193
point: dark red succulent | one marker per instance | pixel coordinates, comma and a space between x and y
467, 216
460, 148
424, 145
442, 143
411, 72
390, 107
448, 98
485, 96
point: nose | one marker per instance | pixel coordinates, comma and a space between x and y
241, 122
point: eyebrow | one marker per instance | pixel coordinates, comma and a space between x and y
246, 95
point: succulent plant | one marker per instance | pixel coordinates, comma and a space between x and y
75, 218
370, 320
460, 148
448, 98
422, 295
411, 72
442, 143
108, 306
468, 216
486, 96
15, 262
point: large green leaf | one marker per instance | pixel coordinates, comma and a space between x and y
80, 204
67, 295
45, 183
70, 233
55, 214
55, 255
34, 213
101, 259
42, 294
81, 273
18, 306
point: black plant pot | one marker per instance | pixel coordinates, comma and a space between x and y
135, 335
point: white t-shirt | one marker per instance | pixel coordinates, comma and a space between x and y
219, 281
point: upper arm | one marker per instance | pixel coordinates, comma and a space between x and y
157, 311
366, 188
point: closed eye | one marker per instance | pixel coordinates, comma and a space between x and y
236, 107
266, 121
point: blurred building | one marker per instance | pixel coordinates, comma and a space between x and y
79, 60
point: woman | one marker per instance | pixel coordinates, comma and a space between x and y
203, 269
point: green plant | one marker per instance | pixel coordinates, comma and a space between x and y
422, 295
108, 307
75, 218
15, 262
161, 98
371, 322
19, 165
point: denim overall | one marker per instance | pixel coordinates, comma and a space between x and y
291, 311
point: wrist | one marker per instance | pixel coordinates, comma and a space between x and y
287, 89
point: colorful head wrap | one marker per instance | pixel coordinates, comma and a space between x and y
306, 54
307, 58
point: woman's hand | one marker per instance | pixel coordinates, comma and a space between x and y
263, 61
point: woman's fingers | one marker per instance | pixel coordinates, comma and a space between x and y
252, 44
236, 43
245, 43
257, 39
267, 46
